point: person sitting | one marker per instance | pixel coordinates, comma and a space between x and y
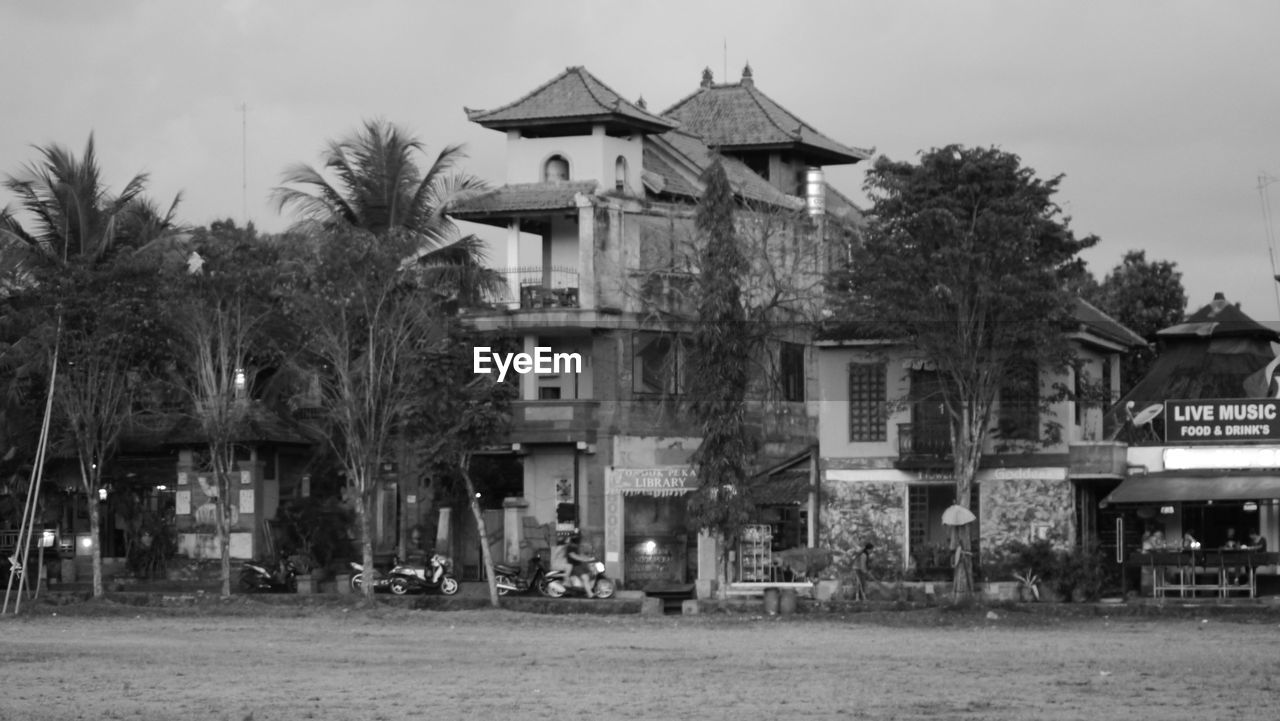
1230, 544
1153, 541
1189, 542
1256, 542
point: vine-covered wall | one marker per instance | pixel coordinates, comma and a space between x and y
857, 513
1017, 509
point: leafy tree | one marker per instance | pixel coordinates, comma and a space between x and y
224, 317
94, 326
367, 320
965, 258
721, 353
1146, 296
458, 412
61, 254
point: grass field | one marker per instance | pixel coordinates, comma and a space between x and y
265, 662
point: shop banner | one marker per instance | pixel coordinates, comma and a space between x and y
661, 481
1219, 421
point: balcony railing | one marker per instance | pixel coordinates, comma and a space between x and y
544, 287
554, 421
923, 442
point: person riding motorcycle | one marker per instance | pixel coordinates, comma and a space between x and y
581, 563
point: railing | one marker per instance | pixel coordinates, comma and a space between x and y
544, 287
923, 441
559, 421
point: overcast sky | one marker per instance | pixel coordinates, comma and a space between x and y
1161, 115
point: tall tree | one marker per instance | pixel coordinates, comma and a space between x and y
1145, 295
373, 180
966, 258
223, 316
457, 413
98, 323
721, 355
74, 214
48, 266
367, 321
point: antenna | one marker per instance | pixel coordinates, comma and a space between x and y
725, 67
245, 164
1264, 182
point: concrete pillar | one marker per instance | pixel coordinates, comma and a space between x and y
513, 260
513, 510
443, 536
586, 254
528, 381
708, 557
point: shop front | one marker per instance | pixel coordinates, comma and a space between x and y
1206, 500
649, 544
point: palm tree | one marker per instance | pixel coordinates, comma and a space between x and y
67, 249
74, 214
378, 185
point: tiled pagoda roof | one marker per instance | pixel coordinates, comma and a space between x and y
572, 97
738, 116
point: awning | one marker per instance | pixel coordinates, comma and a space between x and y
1159, 489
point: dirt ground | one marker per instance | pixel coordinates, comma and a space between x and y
396, 663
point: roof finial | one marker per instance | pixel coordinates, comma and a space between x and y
746, 75
706, 77
642, 104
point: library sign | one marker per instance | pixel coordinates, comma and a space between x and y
1219, 421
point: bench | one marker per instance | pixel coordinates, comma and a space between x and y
757, 588
1220, 572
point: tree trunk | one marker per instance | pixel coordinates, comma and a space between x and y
224, 527
968, 450
366, 543
95, 527
485, 555
722, 568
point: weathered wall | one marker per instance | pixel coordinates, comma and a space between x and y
1012, 508
855, 513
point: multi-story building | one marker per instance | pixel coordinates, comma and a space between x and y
886, 454
598, 206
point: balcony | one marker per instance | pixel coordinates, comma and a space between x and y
554, 421
923, 445
544, 287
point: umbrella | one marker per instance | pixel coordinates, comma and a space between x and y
957, 516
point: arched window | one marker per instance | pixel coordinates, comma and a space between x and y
620, 173
555, 169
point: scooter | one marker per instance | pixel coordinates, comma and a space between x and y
510, 579
380, 582
436, 573
257, 577
560, 582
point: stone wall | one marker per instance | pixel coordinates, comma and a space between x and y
856, 513
1013, 509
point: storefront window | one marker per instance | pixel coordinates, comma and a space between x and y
657, 542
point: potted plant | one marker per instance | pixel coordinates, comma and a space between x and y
1028, 585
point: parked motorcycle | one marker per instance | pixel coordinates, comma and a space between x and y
509, 577
560, 582
437, 572
257, 577
381, 582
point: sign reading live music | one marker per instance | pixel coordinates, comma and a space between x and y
1222, 421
